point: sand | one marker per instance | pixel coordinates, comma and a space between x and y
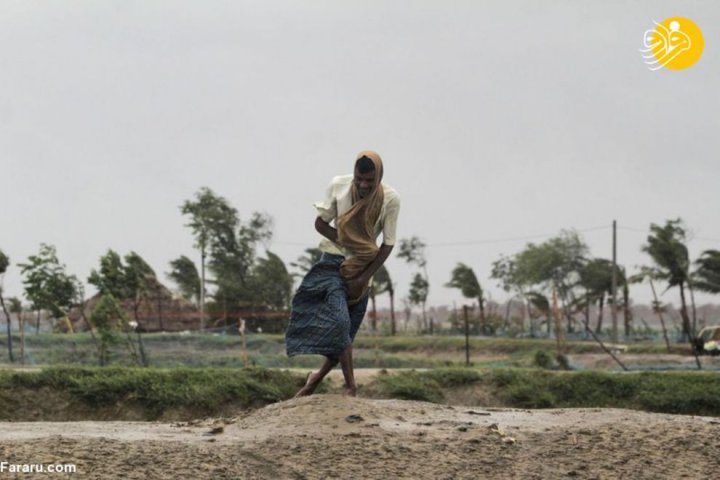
332, 436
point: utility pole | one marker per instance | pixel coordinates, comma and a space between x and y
614, 284
202, 289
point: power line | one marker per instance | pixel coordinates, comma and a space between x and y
487, 241
647, 231
704, 239
295, 244
511, 239
633, 229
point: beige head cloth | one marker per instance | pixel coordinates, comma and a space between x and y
356, 227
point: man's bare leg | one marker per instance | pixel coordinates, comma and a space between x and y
346, 363
314, 379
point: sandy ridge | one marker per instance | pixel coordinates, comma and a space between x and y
331, 436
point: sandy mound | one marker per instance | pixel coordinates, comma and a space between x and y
330, 436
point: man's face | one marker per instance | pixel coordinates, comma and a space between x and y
364, 182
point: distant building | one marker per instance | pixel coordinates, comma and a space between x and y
159, 311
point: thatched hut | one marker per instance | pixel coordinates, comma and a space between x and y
159, 310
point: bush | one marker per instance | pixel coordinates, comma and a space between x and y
411, 386
696, 393
454, 377
543, 359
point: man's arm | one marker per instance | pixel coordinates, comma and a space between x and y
375, 265
357, 284
326, 230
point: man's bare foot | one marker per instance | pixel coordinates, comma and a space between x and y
350, 391
311, 384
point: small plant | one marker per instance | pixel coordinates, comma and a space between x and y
411, 386
543, 359
108, 316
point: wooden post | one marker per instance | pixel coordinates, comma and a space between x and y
202, 288
376, 335
241, 330
467, 336
21, 320
614, 284
559, 331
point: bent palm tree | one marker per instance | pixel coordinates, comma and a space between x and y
596, 277
666, 246
464, 279
707, 275
542, 305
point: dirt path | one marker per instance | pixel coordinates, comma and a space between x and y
330, 436
664, 361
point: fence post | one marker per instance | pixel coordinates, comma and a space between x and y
467, 336
241, 330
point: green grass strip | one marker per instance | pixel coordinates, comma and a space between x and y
691, 393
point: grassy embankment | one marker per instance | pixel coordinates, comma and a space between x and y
74, 393
696, 393
208, 350
82, 393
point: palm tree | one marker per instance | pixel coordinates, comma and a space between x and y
666, 246
464, 279
541, 303
418, 295
596, 277
707, 275
650, 274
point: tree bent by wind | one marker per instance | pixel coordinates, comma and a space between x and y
553, 265
241, 281
666, 246
412, 250
464, 279
48, 286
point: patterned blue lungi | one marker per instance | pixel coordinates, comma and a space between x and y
321, 321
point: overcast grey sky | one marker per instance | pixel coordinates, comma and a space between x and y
496, 120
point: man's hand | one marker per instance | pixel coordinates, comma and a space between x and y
355, 286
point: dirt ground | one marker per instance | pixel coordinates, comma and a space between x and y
332, 436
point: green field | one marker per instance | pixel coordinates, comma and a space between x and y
196, 375
264, 350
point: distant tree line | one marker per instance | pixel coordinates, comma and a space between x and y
556, 281
559, 279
